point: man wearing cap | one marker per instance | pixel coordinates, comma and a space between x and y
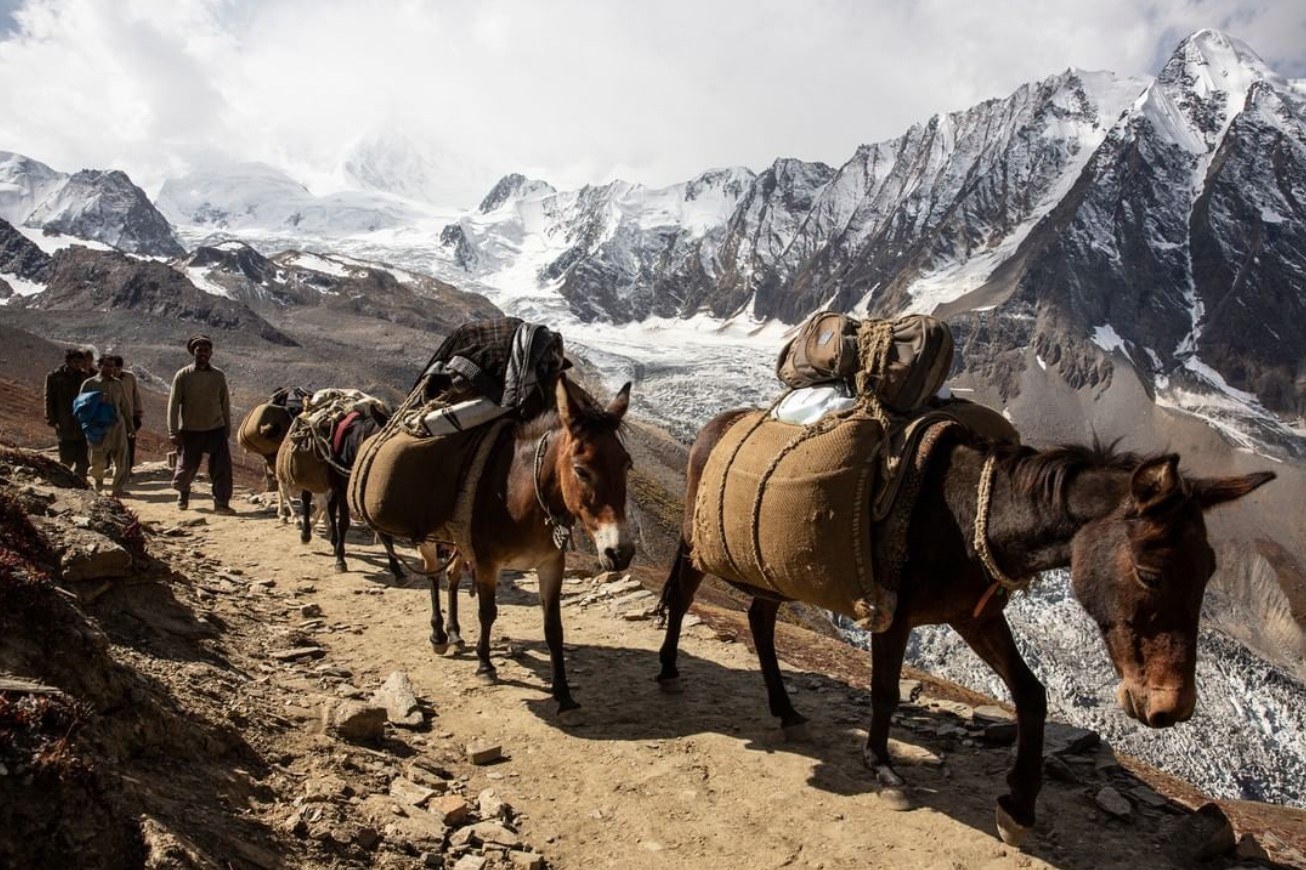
199, 422
62, 386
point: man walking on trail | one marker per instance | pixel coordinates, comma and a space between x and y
61, 387
110, 447
137, 412
199, 422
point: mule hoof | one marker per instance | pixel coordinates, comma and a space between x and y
571, 717
671, 686
488, 678
340, 568
439, 648
798, 733
1012, 832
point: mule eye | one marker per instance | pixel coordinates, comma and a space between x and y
583, 474
1148, 577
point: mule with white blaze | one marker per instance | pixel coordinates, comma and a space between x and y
1129, 528
542, 478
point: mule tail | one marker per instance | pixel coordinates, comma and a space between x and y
671, 589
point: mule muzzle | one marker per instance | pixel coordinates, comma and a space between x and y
1158, 707
616, 558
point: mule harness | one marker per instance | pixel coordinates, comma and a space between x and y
983, 501
559, 525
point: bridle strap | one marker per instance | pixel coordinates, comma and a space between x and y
559, 525
983, 501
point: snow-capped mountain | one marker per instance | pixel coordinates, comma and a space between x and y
259, 197
103, 206
1096, 219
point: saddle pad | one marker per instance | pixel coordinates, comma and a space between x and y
787, 508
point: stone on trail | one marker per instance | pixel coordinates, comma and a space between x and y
527, 860
470, 862
491, 806
410, 793
495, 834
310, 611
1113, 802
396, 695
484, 752
450, 808
1059, 738
909, 690
991, 714
354, 720
1000, 733
299, 652
94, 557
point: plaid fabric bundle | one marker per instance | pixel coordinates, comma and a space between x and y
501, 359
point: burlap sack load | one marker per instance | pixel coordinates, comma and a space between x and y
787, 508
408, 486
301, 468
273, 419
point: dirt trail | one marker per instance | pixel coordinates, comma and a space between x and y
702, 779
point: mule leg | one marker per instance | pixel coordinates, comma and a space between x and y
550, 574
487, 578
430, 563
677, 595
457, 570
992, 640
396, 570
761, 620
887, 652
338, 517
305, 511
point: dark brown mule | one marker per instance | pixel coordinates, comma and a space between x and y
551, 472
1131, 531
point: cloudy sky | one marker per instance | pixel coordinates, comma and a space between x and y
572, 91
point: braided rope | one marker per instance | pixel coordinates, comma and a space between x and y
984, 499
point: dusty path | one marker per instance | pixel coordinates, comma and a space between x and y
702, 779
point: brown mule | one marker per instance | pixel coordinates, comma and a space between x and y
550, 473
1130, 530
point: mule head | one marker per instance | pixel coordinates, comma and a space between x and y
1141, 572
592, 466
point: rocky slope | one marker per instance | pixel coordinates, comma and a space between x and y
91, 204
183, 718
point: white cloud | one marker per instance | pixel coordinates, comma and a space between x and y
568, 90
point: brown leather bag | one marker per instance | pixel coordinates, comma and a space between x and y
902, 362
823, 350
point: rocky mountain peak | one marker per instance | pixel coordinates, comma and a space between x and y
513, 186
103, 206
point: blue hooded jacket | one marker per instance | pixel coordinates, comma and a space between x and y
94, 415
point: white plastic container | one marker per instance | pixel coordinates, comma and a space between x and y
462, 416
809, 404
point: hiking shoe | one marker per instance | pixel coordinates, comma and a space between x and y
183, 500
225, 509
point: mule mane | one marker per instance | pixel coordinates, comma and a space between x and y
1047, 473
592, 420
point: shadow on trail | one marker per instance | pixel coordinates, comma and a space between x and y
622, 703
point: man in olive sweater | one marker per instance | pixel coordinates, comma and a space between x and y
199, 422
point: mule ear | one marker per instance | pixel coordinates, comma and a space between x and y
1211, 491
1155, 481
568, 411
573, 402
619, 405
